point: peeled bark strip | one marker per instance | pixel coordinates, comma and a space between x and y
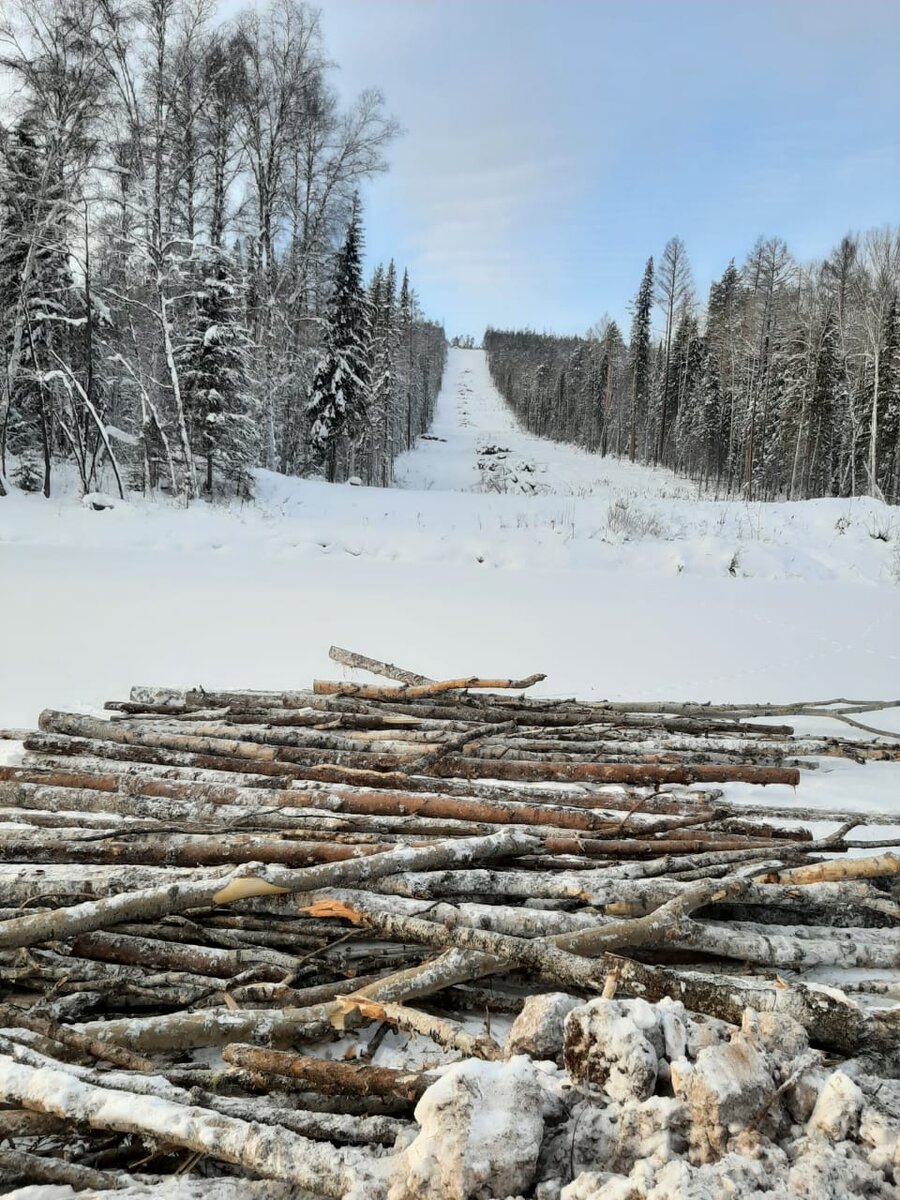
331, 1077
272, 1152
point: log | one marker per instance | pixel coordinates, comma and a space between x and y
151, 903
183, 850
881, 866
326, 687
18, 1123
341, 1129
349, 658
33, 1169
448, 1034
172, 956
119, 1056
463, 768
330, 1077
831, 1020
272, 1152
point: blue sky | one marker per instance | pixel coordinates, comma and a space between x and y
550, 147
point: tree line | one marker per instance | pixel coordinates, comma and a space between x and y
785, 385
181, 291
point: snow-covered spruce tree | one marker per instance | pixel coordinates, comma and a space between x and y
338, 401
372, 442
686, 366
640, 356
213, 363
889, 427
35, 286
384, 417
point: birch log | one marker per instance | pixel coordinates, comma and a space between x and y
349, 658
272, 1152
177, 897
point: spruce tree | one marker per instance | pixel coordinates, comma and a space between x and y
35, 286
889, 425
213, 363
405, 357
337, 406
640, 355
686, 371
711, 420
821, 473
382, 381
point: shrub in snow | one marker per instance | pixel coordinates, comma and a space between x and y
98, 501
28, 476
632, 523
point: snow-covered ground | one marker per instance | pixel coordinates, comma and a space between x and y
615, 579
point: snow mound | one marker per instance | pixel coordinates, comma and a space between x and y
480, 1129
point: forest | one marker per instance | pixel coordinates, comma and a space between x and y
181, 284
785, 386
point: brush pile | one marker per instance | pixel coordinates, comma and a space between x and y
210, 900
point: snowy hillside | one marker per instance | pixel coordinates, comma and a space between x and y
612, 577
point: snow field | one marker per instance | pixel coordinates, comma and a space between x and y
613, 578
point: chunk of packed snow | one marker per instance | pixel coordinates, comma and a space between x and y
727, 1088
538, 1029
777, 1033
838, 1107
614, 1045
480, 1131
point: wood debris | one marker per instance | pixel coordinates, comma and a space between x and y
279, 874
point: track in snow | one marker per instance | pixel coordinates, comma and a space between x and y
476, 444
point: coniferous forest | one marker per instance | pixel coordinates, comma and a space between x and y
786, 385
181, 282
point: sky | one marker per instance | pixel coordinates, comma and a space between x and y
551, 146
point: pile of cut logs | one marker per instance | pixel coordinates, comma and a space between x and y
207, 897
